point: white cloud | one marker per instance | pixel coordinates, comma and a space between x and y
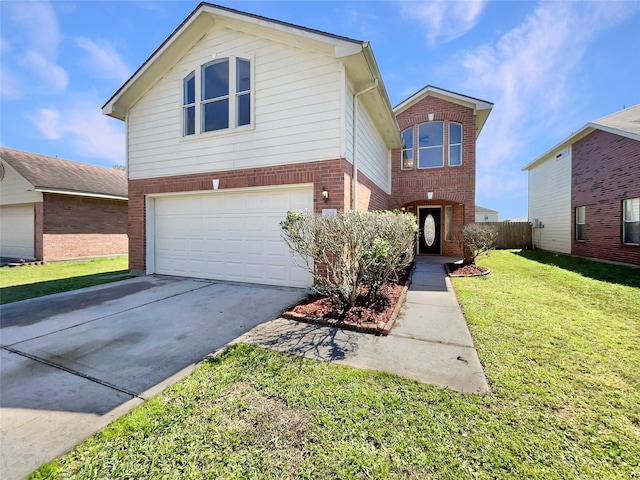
54, 75
39, 25
35, 47
104, 59
10, 86
47, 121
444, 20
530, 76
90, 132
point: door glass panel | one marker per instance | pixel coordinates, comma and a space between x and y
429, 230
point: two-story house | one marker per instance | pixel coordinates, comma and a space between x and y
236, 119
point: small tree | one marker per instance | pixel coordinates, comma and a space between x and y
346, 251
475, 239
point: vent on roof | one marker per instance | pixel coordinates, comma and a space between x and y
563, 153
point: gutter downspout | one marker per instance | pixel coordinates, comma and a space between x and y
354, 177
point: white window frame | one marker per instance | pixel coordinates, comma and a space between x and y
454, 144
186, 106
581, 221
233, 96
404, 149
204, 102
634, 212
431, 147
448, 223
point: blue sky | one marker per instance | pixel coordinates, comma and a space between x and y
549, 68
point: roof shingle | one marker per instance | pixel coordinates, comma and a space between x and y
52, 173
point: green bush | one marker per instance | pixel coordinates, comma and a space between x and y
349, 250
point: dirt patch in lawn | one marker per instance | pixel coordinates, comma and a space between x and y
372, 314
459, 270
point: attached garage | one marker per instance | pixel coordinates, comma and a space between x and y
17, 233
231, 235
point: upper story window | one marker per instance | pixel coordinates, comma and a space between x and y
189, 104
431, 145
455, 144
214, 105
224, 87
407, 149
631, 221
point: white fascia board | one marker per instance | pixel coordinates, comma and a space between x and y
570, 140
160, 61
615, 131
474, 103
79, 194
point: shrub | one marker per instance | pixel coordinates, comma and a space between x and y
475, 239
346, 251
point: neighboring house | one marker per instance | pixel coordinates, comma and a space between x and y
236, 118
53, 209
584, 193
486, 214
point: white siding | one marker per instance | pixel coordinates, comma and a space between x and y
373, 154
491, 217
550, 203
348, 124
298, 118
14, 189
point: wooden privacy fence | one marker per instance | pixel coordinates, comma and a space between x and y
512, 234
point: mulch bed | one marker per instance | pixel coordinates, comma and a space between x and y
459, 270
375, 315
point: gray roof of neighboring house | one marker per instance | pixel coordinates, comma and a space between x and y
52, 174
625, 123
480, 209
627, 120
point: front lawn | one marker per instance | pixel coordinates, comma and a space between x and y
560, 349
29, 281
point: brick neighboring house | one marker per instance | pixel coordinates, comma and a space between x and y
238, 118
584, 193
54, 209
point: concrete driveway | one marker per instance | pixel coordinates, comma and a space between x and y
73, 362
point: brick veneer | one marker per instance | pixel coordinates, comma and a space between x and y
450, 185
76, 226
335, 175
605, 171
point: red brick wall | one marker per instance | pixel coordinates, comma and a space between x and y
605, 170
332, 174
454, 185
74, 226
38, 225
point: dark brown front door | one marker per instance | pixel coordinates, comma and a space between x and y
430, 231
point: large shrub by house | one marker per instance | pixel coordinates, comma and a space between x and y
347, 251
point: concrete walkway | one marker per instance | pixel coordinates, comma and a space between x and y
430, 341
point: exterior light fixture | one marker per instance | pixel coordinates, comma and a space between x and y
325, 194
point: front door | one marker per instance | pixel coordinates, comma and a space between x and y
430, 231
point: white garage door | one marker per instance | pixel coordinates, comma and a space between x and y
16, 231
232, 235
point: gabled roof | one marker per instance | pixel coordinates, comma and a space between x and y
625, 123
54, 175
480, 209
355, 54
481, 108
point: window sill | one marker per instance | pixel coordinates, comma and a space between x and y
218, 133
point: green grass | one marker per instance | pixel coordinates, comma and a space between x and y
559, 346
30, 281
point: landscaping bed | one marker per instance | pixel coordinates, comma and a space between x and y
375, 314
460, 270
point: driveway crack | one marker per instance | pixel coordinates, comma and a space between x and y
70, 370
111, 314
